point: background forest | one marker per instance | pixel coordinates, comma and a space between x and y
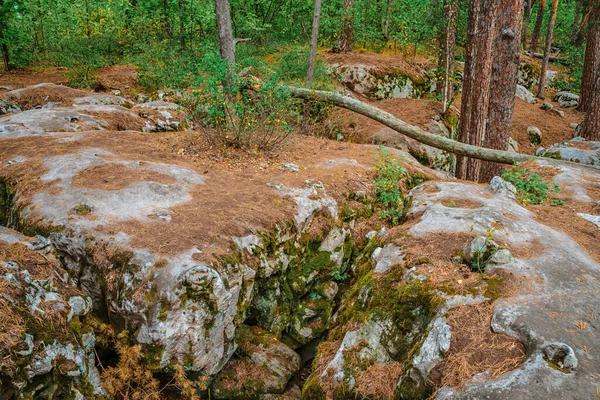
167, 39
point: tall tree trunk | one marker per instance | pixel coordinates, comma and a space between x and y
5, 51
505, 71
386, 25
538, 26
528, 9
181, 25
547, 48
591, 124
476, 83
165, 18
581, 33
312, 58
577, 18
314, 43
446, 59
226, 44
592, 58
344, 41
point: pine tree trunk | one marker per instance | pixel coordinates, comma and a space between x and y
181, 25
528, 10
505, 70
314, 43
386, 25
226, 44
476, 83
344, 41
547, 48
5, 51
591, 124
446, 59
592, 59
538, 26
581, 33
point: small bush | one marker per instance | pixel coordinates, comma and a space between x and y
240, 112
531, 188
388, 190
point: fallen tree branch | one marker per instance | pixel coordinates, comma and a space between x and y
411, 131
439, 142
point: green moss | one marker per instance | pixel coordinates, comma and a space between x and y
493, 288
553, 154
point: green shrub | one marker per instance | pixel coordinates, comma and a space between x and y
388, 190
531, 188
237, 111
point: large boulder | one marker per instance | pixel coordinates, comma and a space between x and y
566, 99
576, 150
262, 366
525, 95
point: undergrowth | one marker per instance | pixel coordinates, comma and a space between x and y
388, 189
531, 189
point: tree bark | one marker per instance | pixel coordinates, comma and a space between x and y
592, 59
528, 9
547, 48
386, 25
344, 41
538, 26
314, 43
476, 83
226, 44
446, 60
505, 70
581, 32
181, 25
591, 123
5, 51
439, 142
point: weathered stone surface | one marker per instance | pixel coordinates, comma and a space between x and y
499, 185
52, 358
577, 150
562, 294
371, 81
525, 95
427, 155
534, 134
263, 366
566, 99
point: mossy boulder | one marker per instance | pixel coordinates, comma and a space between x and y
261, 365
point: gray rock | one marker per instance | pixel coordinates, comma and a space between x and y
290, 167
540, 151
384, 258
501, 257
576, 150
534, 134
566, 99
7, 107
513, 145
500, 186
479, 251
573, 125
560, 354
433, 349
525, 95
560, 113
547, 106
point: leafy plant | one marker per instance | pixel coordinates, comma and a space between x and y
339, 276
531, 188
237, 111
388, 190
487, 249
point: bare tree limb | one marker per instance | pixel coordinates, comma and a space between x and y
439, 142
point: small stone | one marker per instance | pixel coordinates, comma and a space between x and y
547, 106
501, 257
371, 235
566, 99
513, 145
540, 151
500, 186
560, 113
573, 125
534, 134
525, 94
290, 167
79, 306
